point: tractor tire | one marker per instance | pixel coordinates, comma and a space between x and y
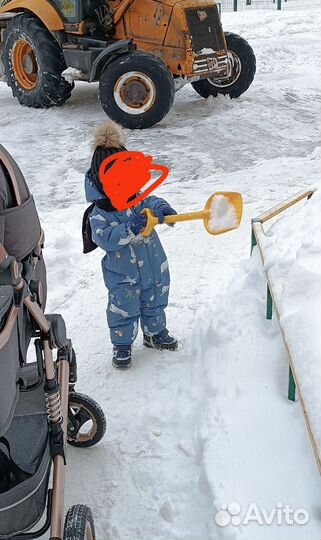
136, 90
243, 70
33, 62
79, 523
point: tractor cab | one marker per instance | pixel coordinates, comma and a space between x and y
85, 17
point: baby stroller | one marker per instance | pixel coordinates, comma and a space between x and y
40, 411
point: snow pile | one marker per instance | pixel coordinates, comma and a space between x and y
293, 259
206, 50
223, 214
72, 74
238, 385
240, 422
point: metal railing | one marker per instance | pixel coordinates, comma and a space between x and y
294, 384
238, 5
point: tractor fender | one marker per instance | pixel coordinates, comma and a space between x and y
107, 54
45, 11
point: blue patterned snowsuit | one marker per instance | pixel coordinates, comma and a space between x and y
135, 270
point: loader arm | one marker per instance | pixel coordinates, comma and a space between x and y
122, 8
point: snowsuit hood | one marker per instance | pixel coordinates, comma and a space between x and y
91, 190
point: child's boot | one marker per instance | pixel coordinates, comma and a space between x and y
162, 341
122, 356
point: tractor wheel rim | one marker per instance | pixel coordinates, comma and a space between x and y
134, 92
82, 437
25, 64
235, 68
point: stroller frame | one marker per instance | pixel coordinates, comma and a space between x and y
52, 332
57, 376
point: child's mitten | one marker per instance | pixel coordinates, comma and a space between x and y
164, 210
137, 224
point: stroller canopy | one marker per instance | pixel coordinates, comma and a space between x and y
20, 234
20, 229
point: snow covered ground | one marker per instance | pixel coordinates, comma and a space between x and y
209, 425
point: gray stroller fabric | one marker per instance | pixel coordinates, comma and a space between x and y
22, 506
20, 229
28, 431
9, 364
20, 234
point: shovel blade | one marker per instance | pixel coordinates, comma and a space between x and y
223, 212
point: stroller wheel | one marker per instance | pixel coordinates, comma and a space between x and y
86, 421
79, 523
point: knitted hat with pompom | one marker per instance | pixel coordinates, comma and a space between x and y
108, 139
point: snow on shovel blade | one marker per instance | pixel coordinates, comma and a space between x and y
223, 212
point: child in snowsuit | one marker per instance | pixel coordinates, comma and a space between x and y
135, 269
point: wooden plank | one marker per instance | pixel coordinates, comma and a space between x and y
284, 206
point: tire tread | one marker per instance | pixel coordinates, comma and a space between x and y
78, 516
155, 68
52, 88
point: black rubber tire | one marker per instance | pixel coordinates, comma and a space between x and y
51, 88
248, 68
147, 64
78, 522
94, 411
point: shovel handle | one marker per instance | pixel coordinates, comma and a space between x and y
152, 219
189, 216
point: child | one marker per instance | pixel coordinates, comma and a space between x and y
135, 268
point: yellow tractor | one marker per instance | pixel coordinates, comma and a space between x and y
140, 51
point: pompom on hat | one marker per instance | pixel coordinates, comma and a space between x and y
108, 139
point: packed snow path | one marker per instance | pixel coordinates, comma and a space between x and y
210, 424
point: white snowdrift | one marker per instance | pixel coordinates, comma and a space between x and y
293, 259
241, 421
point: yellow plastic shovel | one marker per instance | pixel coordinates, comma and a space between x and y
222, 213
